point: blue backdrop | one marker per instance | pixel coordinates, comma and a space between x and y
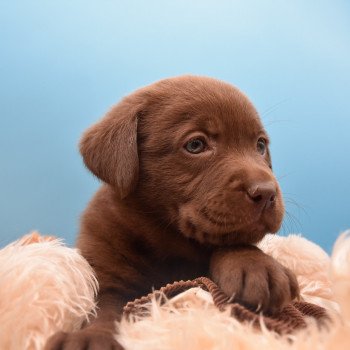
64, 63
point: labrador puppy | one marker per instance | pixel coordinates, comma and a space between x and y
188, 191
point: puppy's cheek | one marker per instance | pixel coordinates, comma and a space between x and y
193, 227
187, 221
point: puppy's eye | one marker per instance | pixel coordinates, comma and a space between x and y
195, 146
261, 146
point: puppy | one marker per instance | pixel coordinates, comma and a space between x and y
187, 191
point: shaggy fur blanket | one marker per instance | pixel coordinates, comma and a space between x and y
46, 287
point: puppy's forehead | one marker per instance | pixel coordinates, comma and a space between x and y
232, 116
210, 106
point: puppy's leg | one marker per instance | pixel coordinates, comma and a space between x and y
97, 335
253, 278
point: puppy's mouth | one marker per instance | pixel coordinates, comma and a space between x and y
214, 228
221, 220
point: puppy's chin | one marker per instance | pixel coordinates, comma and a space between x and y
199, 225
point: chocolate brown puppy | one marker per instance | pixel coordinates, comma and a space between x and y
187, 191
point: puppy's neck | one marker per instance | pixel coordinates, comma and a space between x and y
134, 220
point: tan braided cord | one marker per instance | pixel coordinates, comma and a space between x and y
291, 318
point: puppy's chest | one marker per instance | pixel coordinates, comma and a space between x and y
168, 250
176, 269
170, 260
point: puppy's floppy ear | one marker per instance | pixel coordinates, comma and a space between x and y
109, 148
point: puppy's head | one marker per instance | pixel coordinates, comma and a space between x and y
192, 151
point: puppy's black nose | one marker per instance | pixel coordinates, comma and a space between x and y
262, 193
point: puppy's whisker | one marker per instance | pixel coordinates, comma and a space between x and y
295, 223
170, 222
293, 201
301, 208
274, 107
283, 176
286, 228
297, 205
286, 224
276, 121
282, 229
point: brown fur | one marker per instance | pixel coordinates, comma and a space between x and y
165, 214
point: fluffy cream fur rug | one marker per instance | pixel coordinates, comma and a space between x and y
46, 287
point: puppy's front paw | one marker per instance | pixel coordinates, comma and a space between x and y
253, 278
91, 339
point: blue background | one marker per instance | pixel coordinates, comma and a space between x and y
64, 63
